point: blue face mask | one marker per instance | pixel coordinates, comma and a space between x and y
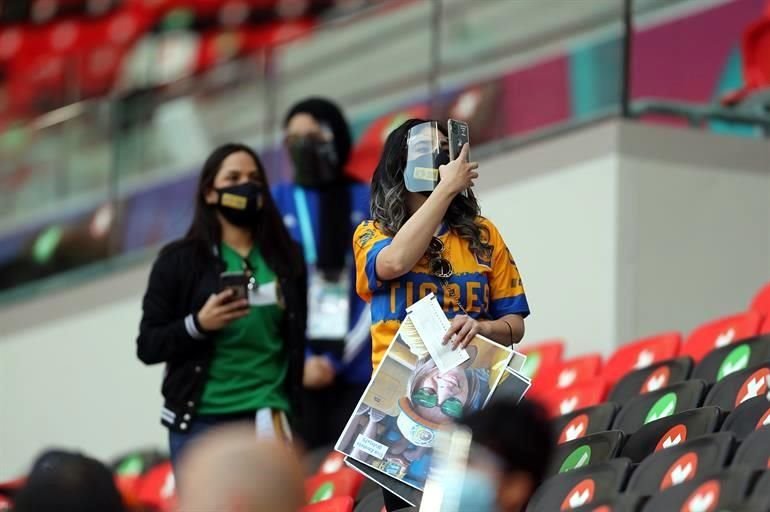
473, 490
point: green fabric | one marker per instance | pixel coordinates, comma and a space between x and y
249, 367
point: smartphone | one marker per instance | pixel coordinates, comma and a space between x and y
237, 282
458, 136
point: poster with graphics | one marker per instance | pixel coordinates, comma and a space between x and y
418, 388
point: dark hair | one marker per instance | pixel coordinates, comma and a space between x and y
268, 230
520, 434
68, 482
388, 203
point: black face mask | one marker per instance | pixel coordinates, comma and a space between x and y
315, 162
239, 204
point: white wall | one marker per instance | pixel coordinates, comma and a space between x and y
560, 228
71, 378
696, 237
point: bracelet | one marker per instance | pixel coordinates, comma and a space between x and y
510, 329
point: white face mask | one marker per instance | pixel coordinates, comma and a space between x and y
473, 490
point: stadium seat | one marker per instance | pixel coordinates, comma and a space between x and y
316, 458
659, 404
641, 354
578, 488
337, 504
10, 487
575, 371
726, 360
761, 301
738, 387
748, 417
705, 494
759, 501
765, 327
541, 355
565, 401
138, 462
321, 487
720, 333
332, 463
682, 463
671, 431
584, 422
372, 502
626, 502
586, 451
755, 55
754, 452
129, 486
158, 488
652, 378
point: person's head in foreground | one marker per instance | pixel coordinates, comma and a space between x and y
512, 449
68, 482
229, 470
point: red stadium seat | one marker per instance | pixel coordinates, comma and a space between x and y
158, 488
333, 462
129, 489
338, 504
566, 401
577, 370
761, 301
542, 355
755, 53
641, 353
7, 490
721, 332
345, 482
765, 327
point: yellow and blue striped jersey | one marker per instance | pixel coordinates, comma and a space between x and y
486, 288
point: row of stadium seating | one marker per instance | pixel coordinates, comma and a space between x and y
684, 425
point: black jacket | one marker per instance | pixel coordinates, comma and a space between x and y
182, 278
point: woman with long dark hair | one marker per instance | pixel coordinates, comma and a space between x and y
233, 352
427, 235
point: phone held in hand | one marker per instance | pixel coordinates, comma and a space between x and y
458, 136
237, 282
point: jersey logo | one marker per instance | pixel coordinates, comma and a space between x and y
365, 237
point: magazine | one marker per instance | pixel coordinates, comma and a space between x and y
396, 422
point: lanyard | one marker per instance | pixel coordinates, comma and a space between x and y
305, 225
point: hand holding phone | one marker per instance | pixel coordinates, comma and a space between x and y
221, 309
